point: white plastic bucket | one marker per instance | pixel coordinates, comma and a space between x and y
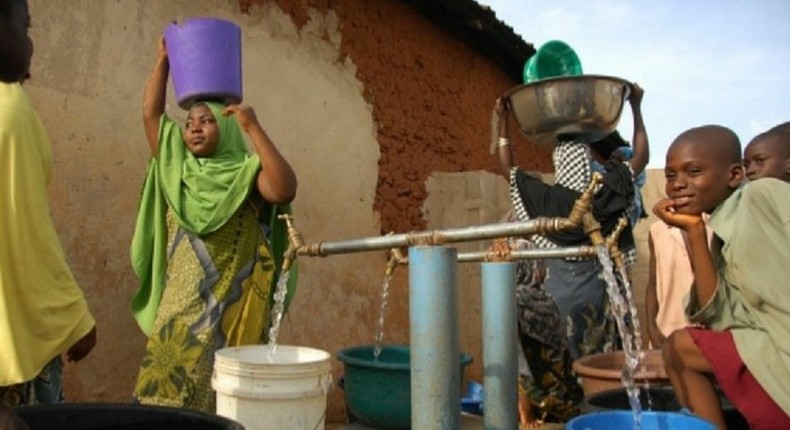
288, 392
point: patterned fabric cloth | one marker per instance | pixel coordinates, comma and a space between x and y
44, 389
565, 313
202, 193
573, 170
204, 256
550, 384
217, 295
572, 162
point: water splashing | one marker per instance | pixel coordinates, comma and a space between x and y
628, 326
384, 299
277, 312
636, 337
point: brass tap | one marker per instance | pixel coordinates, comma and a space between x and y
611, 243
294, 237
592, 228
295, 242
397, 254
396, 257
583, 204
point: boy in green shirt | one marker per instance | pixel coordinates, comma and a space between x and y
737, 301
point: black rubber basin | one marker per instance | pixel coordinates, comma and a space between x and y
112, 416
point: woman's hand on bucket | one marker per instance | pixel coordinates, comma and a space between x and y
162, 47
244, 114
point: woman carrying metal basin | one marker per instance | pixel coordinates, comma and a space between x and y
583, 324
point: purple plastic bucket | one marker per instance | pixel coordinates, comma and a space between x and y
205, 60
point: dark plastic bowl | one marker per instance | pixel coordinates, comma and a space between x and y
112, 416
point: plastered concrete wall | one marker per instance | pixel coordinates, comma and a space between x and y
366, 99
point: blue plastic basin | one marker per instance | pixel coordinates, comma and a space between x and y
617, 420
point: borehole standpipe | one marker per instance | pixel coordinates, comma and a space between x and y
433, 314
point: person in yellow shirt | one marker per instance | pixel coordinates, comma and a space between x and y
43, 312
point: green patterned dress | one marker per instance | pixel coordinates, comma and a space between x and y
216, 295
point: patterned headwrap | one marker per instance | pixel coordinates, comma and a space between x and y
572, 165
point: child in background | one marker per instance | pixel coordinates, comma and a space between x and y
739, 291
668, 281
768, 155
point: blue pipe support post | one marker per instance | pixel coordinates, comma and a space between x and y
500, 369
434, 351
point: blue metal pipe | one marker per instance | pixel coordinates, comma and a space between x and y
500, 370
434, 350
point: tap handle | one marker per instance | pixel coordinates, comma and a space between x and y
293, 234
288, 218
614, 236
596, 179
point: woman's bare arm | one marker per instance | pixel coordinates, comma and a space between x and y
154, 97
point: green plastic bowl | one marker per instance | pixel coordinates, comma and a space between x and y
378, 393
554, 58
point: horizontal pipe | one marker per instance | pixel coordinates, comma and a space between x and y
527, 254
437, 237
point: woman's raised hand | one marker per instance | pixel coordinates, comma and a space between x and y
244, 115
162, 47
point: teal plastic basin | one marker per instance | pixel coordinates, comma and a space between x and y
378, 393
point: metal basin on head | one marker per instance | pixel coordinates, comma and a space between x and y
585, 108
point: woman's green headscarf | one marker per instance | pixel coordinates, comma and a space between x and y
202, 192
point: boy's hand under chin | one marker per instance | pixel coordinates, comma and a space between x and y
665, 211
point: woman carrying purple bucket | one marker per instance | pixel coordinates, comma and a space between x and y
205, 246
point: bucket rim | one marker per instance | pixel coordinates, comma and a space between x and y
232, 353
202, 19
542, 82
344, 356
